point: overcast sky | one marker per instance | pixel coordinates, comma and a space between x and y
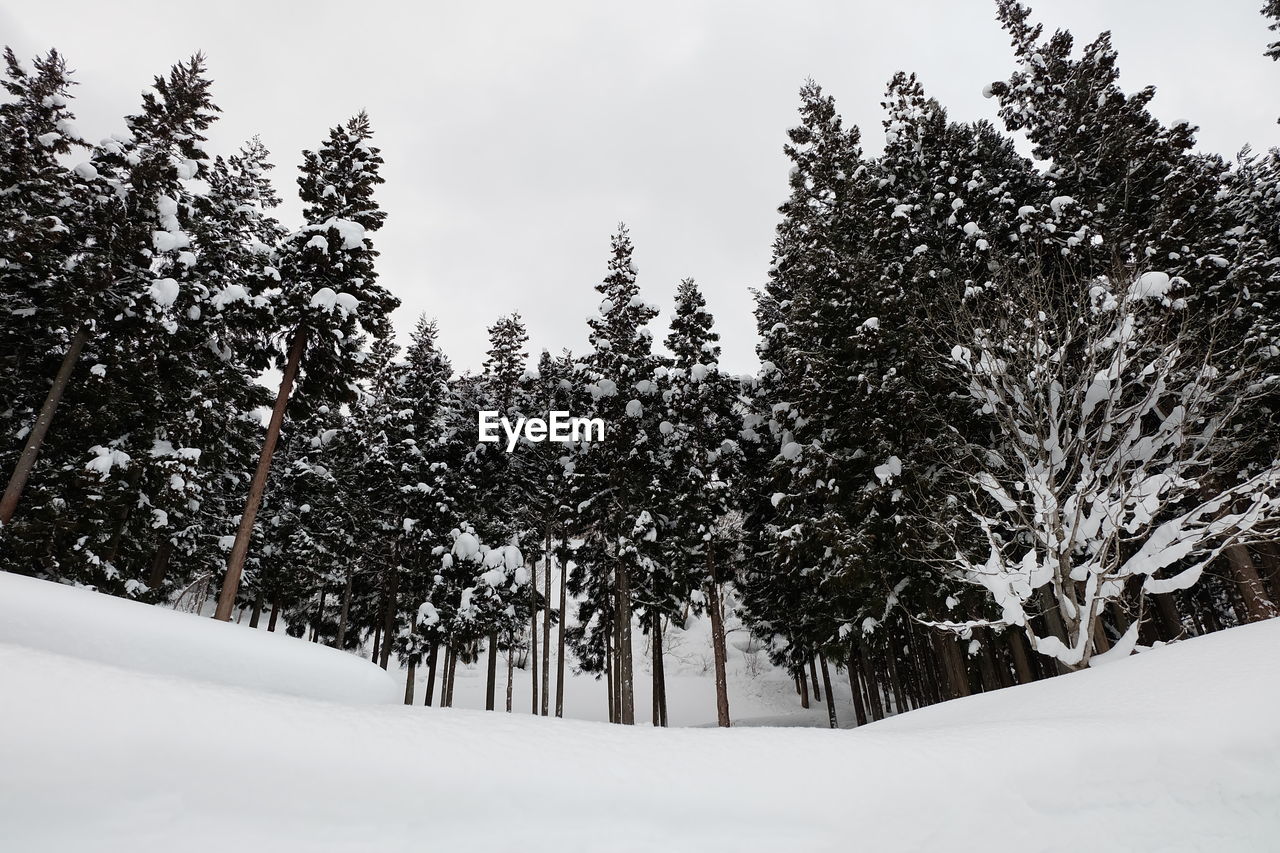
517, 135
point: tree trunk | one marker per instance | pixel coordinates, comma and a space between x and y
431, 671
244, 533
813, 674
160, 567
895, 682
491, 680
1018, 647
626, 671
859, 709
35, 438
1257, 606
717, 649
276, 604
873, 691
340, 641
662, 689
802, 686
564, 577
608, 672
826, 687
511, 664
1167, 617
533, 639
957, 670
451, 669
546, 627
408, 682
659, 674
391, 606
257, 609
319, 617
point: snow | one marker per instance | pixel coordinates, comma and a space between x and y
1059, 202
1151, 285
115, 634
326, 300
890, 469
1180, 746
163, 291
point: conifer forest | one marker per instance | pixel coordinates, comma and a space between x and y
1014, 418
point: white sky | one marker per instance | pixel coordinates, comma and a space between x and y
517, 134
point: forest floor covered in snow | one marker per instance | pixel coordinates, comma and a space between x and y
109, 743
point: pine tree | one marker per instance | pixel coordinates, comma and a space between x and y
329, 301
701, 458
614, 482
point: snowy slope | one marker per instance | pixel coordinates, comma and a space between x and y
97, 627
1177, 749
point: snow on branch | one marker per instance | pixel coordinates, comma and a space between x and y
1110, 464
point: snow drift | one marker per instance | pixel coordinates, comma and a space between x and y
96, 627
1175, 749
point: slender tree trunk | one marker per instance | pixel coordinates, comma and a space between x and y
1018, 647
957, 671
276, 604
450, 675
895, 681
546, 627
626, 671
662, 682
717, 649
873, 691
408, 682
813, 674
802, 686
511, 663
826, 688
564, 577
1167, 617
491, 681
35, 438
240, 549
392, 607
859, 709
608, 673
659, 673
319, 617
257, 609
431, 671
987, 674
160, 567
341, 640
533, 639
1257, 606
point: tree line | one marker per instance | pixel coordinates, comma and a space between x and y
1013, 412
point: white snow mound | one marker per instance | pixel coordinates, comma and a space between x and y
104, 629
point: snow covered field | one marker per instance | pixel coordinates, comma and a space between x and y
136, 757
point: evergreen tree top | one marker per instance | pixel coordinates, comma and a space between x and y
338, 179
692, 339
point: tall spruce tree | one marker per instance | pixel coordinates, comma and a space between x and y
329, 301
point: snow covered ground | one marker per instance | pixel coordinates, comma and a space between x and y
1177, 749
95, 627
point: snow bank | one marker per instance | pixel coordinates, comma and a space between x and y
101, 628
1175, 749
